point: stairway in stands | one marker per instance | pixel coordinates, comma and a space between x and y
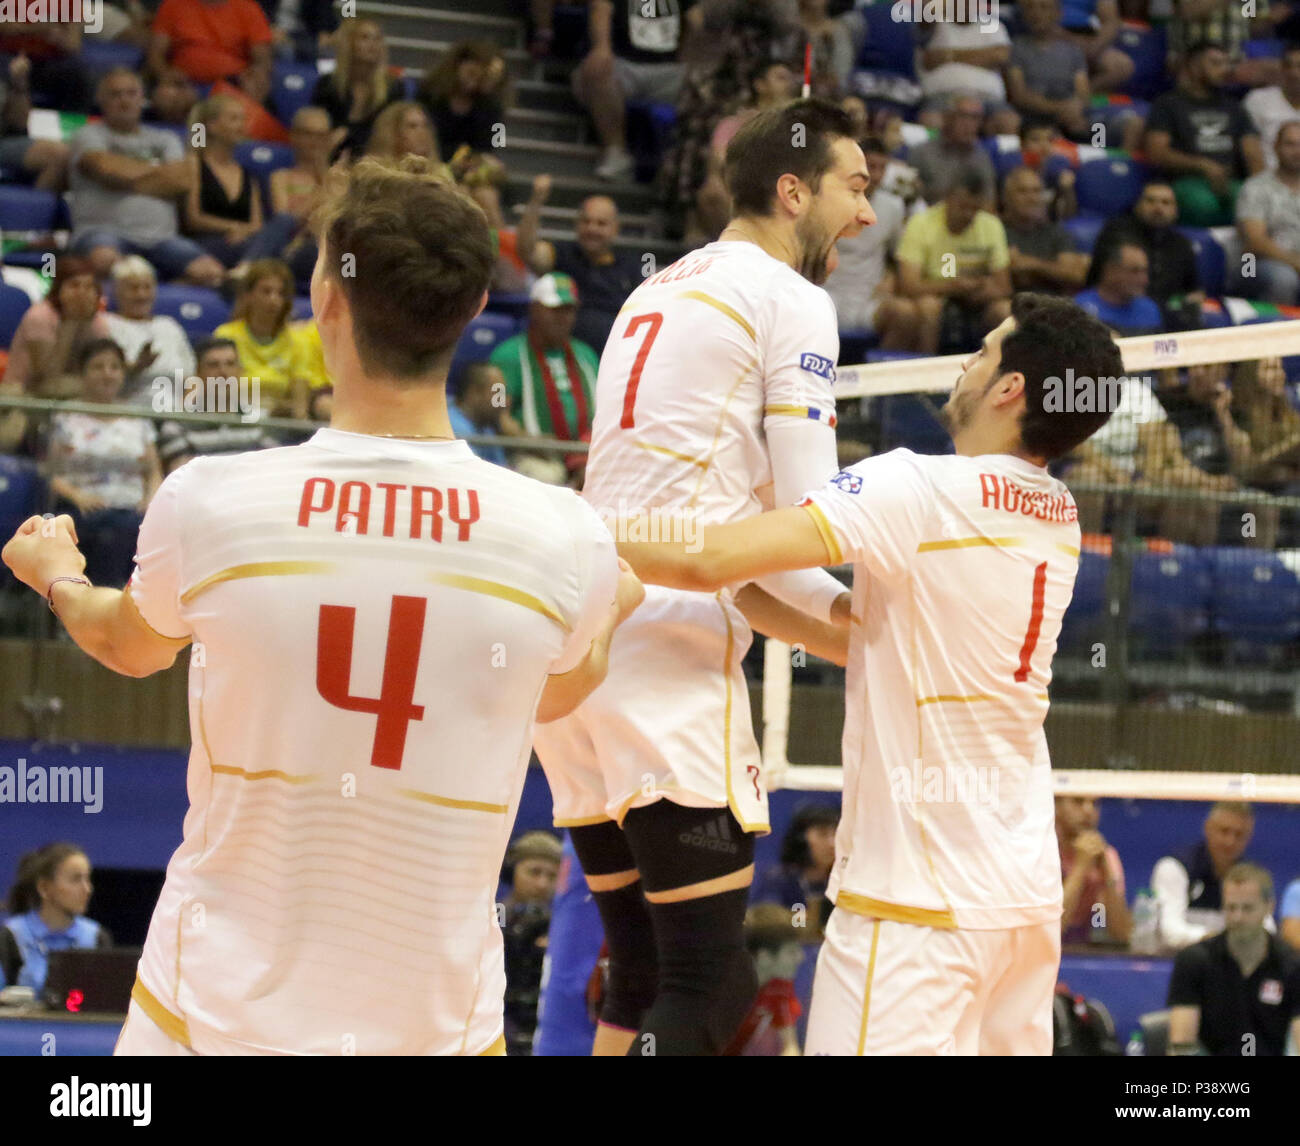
546, 128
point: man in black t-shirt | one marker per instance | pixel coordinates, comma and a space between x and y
1203, 140
1237, 992
636, 53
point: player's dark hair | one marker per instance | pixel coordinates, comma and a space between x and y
794, 845
98, 346
421, 257
35, 866
1053, 335
794, 139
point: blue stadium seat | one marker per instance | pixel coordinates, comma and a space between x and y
906, 419
20, 493
1263, 49
1210, 259
1085, 620
481, 337
1170, 601
1110, 186
199, 310
291, 88
1146, 47
301, 308
890, 44
1005, 162
1256, 600
1214, 319
1084, 229
27, 209
263, 158
513, 304
13, 305
100, 56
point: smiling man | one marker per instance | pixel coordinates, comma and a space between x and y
947, 935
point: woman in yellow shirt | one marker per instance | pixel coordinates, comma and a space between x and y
282, 356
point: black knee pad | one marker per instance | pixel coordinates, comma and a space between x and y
633, 968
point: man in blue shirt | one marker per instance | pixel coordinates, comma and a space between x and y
1119, 299
479, 407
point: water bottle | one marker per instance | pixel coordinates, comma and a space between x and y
1146, 924
1136, 1045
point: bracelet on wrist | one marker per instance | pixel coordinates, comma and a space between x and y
49, 589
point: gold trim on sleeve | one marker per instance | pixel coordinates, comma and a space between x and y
828, 534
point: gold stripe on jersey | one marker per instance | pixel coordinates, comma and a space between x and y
1071, 550
583, 821
448, 802
690, 461
173, 1026
828, 534
968, 542
866, 991
718, 304
497, 1049
857, 904
259, 569
266, 774
920, 700
726, 723
504, 592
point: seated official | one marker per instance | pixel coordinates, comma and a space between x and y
1237, 993
48, 901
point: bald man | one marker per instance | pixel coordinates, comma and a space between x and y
605, 274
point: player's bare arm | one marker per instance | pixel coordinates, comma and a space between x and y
565, 691
1184, 1026
794, 538
774, 618
104, 622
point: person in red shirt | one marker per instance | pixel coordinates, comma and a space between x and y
211, 40
1092, 874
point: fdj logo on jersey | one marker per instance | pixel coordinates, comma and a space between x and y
848, 482
818, 365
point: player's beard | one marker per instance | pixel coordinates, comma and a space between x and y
819, 255
956, 413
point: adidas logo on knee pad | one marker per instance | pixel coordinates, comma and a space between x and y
714, 835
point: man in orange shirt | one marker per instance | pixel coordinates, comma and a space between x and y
210, 40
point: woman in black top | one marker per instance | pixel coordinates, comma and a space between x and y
465, 97
359, 88
223, 206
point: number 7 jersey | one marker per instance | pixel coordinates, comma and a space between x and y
373, 622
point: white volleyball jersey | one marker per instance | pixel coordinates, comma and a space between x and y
964, 567
704, 359
373, 622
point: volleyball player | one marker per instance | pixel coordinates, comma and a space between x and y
947, 881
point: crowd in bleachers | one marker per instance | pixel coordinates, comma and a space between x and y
157, 180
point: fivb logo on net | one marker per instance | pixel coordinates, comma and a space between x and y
983, 13
87, 12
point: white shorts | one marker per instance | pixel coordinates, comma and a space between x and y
671, 719
886, 988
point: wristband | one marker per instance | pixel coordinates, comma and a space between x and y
49, 590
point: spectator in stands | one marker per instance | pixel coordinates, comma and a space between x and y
211, 40
53, 51
1228, 23
1038, 151
534, 860
103, 468
798, 880
41, 162
1269, 108
1093, 876
301, 28
155, 345
1094, 25
1268, 217
172, 100
1048, 74
359, 88
541, 22
863, 286
1237, 993
956, 152
1120, 297
125, 179
1043, 257
178, 442
464, 94
272, 349
1203, 140
832, 48
223, 203
481, 407
1289, 916
296, 190
404, 128
550, 375
1260, 406
48, 901
953, 260
1173, 279
966, 57
633, 56
52, 334
516, 246
1187, 885
605, 274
